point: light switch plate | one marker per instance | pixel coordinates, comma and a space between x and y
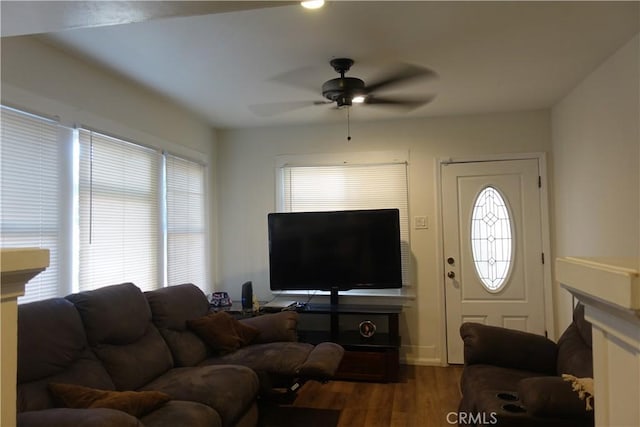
420, 222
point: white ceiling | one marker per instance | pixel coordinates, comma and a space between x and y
489, 56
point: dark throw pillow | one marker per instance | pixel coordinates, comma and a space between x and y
247, 333
222, 332
136, 403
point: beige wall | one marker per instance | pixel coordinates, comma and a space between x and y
93, 96
247, 194
596, 150
45, 80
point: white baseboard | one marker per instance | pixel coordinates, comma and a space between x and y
422, 361
421, 356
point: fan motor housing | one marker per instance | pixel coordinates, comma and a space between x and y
341, 90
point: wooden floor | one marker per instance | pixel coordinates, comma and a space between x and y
423, 397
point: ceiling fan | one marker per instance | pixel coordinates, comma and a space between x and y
344, 91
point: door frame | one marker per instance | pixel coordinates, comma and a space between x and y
549, 316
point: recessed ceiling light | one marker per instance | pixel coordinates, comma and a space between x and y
312, 4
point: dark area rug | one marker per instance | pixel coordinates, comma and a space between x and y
292, 416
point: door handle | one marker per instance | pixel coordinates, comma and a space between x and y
451, 275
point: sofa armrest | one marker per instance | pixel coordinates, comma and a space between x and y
551, 397
322, 363
508, 348
67, 417
274, 327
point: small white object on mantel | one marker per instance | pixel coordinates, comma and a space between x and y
17, 267
609, 288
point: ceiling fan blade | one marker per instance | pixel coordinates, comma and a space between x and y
274, 108
404, 103
305, 78
401, 75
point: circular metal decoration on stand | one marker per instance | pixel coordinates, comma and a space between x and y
367, 328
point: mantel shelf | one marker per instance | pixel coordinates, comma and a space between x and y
609, 288
17, 267
614, 281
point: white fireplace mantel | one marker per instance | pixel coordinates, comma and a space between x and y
610, 290
17, 267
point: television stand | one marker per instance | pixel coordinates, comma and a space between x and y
334, 298
376, 358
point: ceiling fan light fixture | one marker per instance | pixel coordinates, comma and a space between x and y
345, 91
312, 4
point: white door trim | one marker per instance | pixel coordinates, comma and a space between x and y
546, 238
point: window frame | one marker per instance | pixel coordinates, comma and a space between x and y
127, 199
68, 209
205, 219
370, 158
62, 234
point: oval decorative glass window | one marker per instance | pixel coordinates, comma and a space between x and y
491, 239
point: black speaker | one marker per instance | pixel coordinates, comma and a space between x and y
247, 296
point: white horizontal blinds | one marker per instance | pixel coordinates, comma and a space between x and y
119, 212
186, 228
30, 193
349, 187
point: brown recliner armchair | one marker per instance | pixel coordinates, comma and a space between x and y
514, 378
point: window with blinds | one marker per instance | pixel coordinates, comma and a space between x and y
30, 193
119, 218
108, 210
348, 187
186, 227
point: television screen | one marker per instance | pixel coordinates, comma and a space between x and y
335, 250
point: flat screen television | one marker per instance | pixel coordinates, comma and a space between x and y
337, 250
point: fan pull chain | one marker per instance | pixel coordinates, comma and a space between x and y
348, 125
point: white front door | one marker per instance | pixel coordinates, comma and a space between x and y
493, 256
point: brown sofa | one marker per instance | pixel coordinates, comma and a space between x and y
513, 378
280, 361
107, 340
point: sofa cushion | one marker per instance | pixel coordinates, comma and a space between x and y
476, 378
67, 417
171, 307
222, 332
136, 403
575, 357
323, 362
117, 314
509, 348
551, 396
52, 346
281, 326
182, 413
117, 321
491, 410
281, 358
584, 327
50, 338
230, 390
186, 347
